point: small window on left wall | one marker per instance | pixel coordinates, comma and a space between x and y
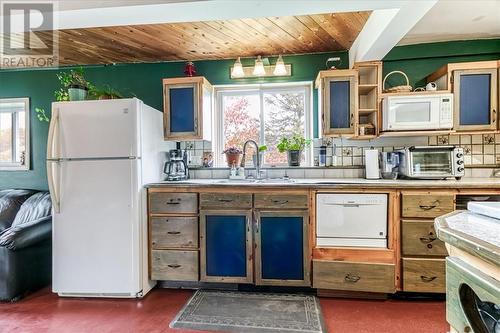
14, 134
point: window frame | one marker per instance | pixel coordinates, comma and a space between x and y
15, 166
261, 89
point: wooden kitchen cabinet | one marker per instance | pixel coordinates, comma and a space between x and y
475, 89
173, 236
338, 102
424, 275
226, 246
187, 108
475, 99
282, 248
353, 276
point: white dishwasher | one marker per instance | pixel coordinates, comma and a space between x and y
354, 220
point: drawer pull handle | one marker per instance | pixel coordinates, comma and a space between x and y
427, 278
173, 232
225, 200
429, 207
352, 278
280, 202
174, 202
174, 266
427, 240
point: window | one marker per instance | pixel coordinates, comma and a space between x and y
265, 114
14, 134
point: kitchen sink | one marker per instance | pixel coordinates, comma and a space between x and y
256, 181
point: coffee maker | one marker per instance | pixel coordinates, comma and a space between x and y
176, 168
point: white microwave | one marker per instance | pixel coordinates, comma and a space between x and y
417, 112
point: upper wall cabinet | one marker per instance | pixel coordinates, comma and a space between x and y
475, 92
475, 99
187, 104
338, 102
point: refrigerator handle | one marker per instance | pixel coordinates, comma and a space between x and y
52, 130
53, 187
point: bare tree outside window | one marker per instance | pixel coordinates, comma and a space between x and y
264, 115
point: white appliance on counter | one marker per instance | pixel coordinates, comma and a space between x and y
355, 220
417, 112
99, 156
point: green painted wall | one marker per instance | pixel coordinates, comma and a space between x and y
142, 80
418, 61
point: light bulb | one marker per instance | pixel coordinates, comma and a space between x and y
280, 68
237, 69
259, 70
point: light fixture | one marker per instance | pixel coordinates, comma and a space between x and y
237, 69
279, 68
259, 70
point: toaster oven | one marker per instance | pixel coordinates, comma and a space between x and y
431, 162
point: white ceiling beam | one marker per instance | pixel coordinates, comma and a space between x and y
209, 10
385, 28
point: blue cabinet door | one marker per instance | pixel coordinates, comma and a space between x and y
340, 114
475, 99
225, 246
282, 248
182, 109
339, 109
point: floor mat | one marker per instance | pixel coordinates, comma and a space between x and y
227, 311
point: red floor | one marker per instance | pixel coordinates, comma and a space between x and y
45, 312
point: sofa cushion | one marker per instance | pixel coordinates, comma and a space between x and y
10, 203
34, 208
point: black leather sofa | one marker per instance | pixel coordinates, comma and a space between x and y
25, 242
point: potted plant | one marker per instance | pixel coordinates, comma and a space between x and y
233, 156
294, 147
105, 93
74, 86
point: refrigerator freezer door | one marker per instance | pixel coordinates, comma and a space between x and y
95, 129
96, 237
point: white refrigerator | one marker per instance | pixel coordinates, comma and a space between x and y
99, 156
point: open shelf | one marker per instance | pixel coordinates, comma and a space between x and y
366, 111
369, 85
366, 88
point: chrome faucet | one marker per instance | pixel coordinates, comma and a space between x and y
257, 167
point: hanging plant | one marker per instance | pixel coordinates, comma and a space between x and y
41, 115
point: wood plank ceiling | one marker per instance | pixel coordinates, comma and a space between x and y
210, 40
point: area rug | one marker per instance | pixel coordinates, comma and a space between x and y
249, 312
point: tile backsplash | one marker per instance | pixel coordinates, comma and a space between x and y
481, 150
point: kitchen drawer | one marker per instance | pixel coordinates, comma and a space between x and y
167, 203
427, 205
226, 200
353, 276
176, 232
424, 275
174, 265
281, 201
419, 238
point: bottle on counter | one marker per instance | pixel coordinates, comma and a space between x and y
322, 156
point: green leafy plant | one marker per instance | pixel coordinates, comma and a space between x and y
73, 79
104, 93
262, 148
296, 142
41, 115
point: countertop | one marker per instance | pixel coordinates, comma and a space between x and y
488, 183
476, 234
